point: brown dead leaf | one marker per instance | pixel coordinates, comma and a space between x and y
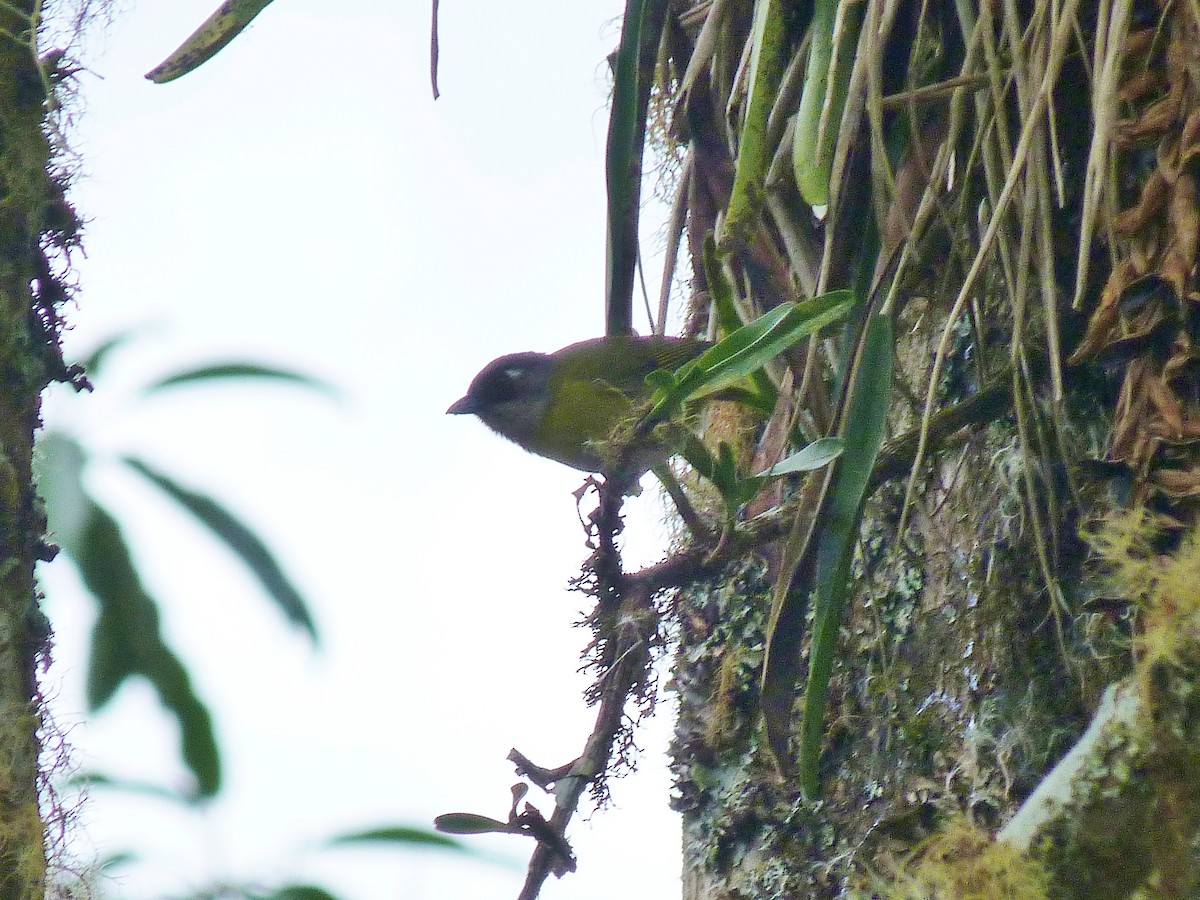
1177, 483
1189, 138
1182, 357
1166, 404
1128, 416
1138, 43
1157, 118
1189, 435
1184, 220
1151, 201
1175, 269
1106, 313
1138, 86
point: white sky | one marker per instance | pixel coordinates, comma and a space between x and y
302, 200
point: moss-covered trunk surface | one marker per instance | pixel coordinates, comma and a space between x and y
35, 225
1023, 176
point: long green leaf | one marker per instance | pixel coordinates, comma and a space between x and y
623, 168
820, 452
239, 539
407, 835
823, 96
239, 370
751, 347
767, 35
721, 291
126, 641
862, 433
91, 780
229, 20
470, 823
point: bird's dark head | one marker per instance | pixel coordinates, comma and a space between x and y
510, 395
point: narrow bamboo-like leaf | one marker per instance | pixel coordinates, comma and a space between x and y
707, 43
230, 18
400, 834
469, 823
767, 35
823, 95
796, 571
126, 641
751, 347
863, 432
747, 350
811, 177
722, 291
820, 452
623, 168
239, 370
242, 541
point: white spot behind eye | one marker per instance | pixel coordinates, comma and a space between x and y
514, 373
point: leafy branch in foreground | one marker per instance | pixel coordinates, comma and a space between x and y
393, 837
127, 640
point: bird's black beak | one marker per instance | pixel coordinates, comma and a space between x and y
462, 407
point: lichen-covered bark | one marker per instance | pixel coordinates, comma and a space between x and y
958, 684
34, 220
981, 635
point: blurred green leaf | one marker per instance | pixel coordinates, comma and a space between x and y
230, 18
240, 370
409, 837
58, 464
144, 788
114, 860
298, 892
469, 823
401, 834
93, 363
239, 539
126, 641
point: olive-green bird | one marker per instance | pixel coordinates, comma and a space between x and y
565, 405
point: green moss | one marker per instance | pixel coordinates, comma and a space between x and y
963, 863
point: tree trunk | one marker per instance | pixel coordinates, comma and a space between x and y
35, 223
1026, 541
